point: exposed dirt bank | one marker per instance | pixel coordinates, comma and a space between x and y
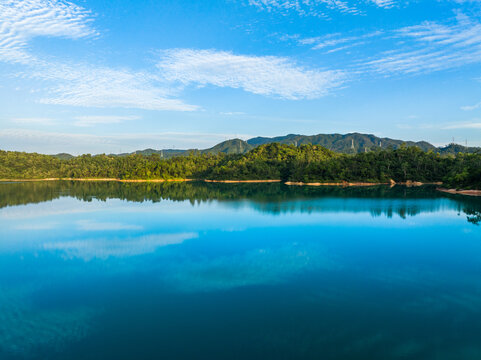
243, 181
343, 183
408, 183
461, 192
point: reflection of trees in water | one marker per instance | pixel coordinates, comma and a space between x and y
471, 206
272, 198
474, 217
403, 211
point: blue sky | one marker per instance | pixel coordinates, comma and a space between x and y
107, 76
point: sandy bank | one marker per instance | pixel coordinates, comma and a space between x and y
242, 181
343, 183
461, 192
408, 183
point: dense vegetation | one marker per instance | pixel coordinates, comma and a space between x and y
273, 198
305, 163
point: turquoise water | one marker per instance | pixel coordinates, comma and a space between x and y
206, 271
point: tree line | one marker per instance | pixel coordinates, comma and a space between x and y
306, 163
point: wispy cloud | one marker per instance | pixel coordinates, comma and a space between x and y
21, 21
319, 8
465, 125
264, 75
306, 7
432, 46
386, 4
332, 42
232, 113
86, 121
33, 121
471, 107
70, 83
96, 86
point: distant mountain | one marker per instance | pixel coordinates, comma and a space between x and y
348, 143
234, 146
454, 149
63, 156
167, 153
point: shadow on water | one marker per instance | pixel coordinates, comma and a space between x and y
267, 198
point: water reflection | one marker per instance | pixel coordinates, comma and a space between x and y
194, 270
269, 198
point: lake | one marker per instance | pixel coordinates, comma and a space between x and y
93, 270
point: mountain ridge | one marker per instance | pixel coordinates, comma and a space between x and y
351, 143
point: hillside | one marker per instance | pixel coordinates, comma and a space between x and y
63, 156
347, 144
353, 143
453, 149
276, 162
234, 146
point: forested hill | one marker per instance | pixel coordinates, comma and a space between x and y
353, 143
233, 146
305, 163
347, 144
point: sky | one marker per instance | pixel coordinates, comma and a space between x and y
102, 76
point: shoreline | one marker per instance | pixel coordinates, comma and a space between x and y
241, 181
460, 192
344, 183
98, 179
288, 183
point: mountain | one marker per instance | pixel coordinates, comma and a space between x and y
453, 149
63, 156
166, 153
234, 146
348, 143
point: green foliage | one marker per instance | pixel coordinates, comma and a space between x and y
306, 163
465, 172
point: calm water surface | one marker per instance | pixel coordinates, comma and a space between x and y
205, 271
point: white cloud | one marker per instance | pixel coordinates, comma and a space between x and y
84, 85
75, 84
471, 107
319, 8
466, 125
96, 86
431, 46
232, 113
91, 120
384, 3
305, 7
23, 20
263, 75
33, 121
334, 42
